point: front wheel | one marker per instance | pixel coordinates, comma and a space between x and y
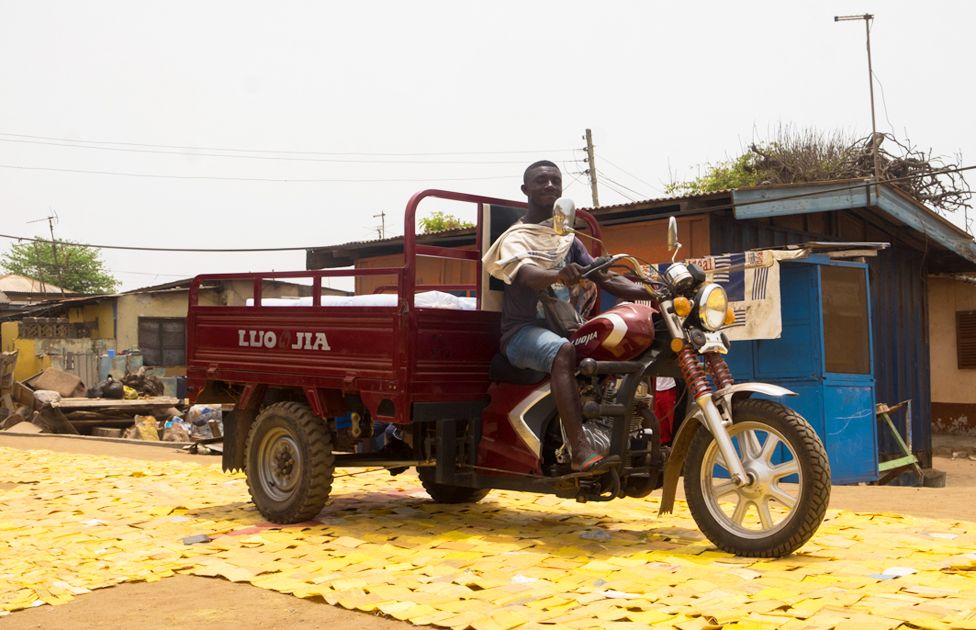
787, 498
289, 463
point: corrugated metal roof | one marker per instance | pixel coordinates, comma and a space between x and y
657, 201
16, 283
399, 239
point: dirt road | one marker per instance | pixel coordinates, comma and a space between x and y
214, 603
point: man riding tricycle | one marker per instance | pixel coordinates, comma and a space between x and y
511, 389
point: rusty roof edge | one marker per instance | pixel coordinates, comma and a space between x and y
752, 203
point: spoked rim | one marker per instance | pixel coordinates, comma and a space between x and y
767, 504
281, 467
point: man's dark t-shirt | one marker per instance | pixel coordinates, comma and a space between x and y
521, 304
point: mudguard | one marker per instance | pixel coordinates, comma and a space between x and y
753, 388
689, 429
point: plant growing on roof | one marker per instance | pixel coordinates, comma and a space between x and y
796, 156
440, 221
73, 267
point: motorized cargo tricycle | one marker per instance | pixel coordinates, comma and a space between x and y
311, 383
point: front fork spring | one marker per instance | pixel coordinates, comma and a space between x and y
721, 375
693, 372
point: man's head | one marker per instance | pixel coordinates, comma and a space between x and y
542, 183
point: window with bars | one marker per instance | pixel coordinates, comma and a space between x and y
966, 340
163, 341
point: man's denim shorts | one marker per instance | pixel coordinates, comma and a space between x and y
534, 347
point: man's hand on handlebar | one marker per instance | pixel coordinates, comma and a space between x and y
570, 274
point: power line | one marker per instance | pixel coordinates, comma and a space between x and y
623, 170
161, 249
256, 179
619, 192
613, 181
845, 187
149, 273
262, 157
281, 152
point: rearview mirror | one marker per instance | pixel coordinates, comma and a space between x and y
673, 244
672, 234
563, 216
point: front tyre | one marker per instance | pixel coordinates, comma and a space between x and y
443, 493
786, 501
289, 463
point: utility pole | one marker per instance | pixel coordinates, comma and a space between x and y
381, 230
591, 164
875, 141
51, 219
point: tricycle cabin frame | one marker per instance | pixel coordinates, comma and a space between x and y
401, 363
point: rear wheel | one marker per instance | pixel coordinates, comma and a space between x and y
444, 493
785, 502
289, 463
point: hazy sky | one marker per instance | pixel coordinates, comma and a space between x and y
373, 101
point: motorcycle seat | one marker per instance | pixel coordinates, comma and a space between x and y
501, 371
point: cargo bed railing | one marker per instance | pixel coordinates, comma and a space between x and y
258, 279
406, 275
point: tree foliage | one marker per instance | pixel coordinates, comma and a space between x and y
440, 221
812, 156
72, 267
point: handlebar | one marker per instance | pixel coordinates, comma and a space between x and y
598, 264
631, 263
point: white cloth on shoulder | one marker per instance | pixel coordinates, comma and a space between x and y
522, 244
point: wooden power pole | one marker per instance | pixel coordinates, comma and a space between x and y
591, 167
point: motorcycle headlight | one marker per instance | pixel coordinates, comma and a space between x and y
712, 304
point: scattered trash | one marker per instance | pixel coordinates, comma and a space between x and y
109, 388
206, 421
144, 384
47, 396
64, 383
129, 393
143, 429
24, 427
176, 430
196, 539
596, 534
899, 571
522, 579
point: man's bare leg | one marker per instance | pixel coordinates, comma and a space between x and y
568, 404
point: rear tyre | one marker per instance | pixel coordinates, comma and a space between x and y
444, 493
786, 502
289, 463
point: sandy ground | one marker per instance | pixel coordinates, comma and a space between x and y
216, 604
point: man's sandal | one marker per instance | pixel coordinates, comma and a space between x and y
598, 462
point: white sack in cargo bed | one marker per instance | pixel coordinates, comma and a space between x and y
427, 299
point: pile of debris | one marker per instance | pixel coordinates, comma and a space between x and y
55, 401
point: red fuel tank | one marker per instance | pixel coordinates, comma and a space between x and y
620, 334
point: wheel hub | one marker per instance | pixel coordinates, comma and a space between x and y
281, 464
284, 461
760, 478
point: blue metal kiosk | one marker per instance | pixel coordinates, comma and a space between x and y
825, 355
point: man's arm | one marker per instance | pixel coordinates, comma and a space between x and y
621, 286
535, 277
